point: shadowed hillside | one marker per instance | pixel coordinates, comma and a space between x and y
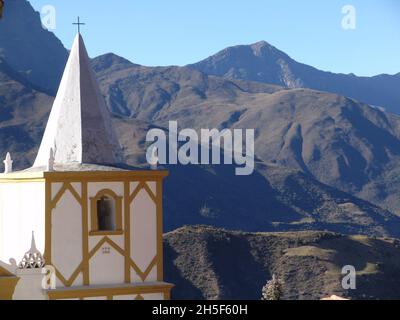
28, 48
336, 140
23, 114
207, 263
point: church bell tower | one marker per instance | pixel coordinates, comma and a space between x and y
97, 221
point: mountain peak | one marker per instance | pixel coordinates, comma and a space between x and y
263, 48
262, 62
111, 61
260, 45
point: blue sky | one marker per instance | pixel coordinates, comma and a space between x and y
179, 32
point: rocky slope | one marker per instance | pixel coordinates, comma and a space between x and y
207, 263
336, 140
23, 113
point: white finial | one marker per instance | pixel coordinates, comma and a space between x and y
154, 158
33, 259
8, 163
50, 164
33, 244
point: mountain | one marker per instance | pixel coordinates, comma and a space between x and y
158, 93
274, 198
289, 189
208, 263
23, 114
264, 63
28, 48
336, 140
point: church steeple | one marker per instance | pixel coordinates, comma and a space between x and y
79, 129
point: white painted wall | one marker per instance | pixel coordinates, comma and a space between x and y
107, 269
22, 210
29, 287
96, 298
143, 232
126, 297
67, 235
153, 296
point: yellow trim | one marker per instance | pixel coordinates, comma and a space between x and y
157, 261
61, 278
22, 176
61, 176
143, 275
85, 234
7, 287
69, 282
6, 181
100, 244
87, 292
127, 239
5, 273
151, 194
66, 186
167, 294
48, 216
136, 191
93, 176
142, 177
106, 233
160, 248
118, 213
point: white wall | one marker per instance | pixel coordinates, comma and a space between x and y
67, 235
29, 286
22, 210
143, 233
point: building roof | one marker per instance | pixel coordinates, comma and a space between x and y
79, 128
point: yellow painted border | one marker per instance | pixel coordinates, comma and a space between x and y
142, 177
105, 175
7, 287
164, 288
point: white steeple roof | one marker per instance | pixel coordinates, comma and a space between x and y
79, 129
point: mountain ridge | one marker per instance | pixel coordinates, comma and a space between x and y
264, 63
291, 188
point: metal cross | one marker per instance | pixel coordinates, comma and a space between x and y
79, 24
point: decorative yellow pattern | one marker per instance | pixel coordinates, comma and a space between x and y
128, 199
162, 288
65, 187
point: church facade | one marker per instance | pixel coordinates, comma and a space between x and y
97, 223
